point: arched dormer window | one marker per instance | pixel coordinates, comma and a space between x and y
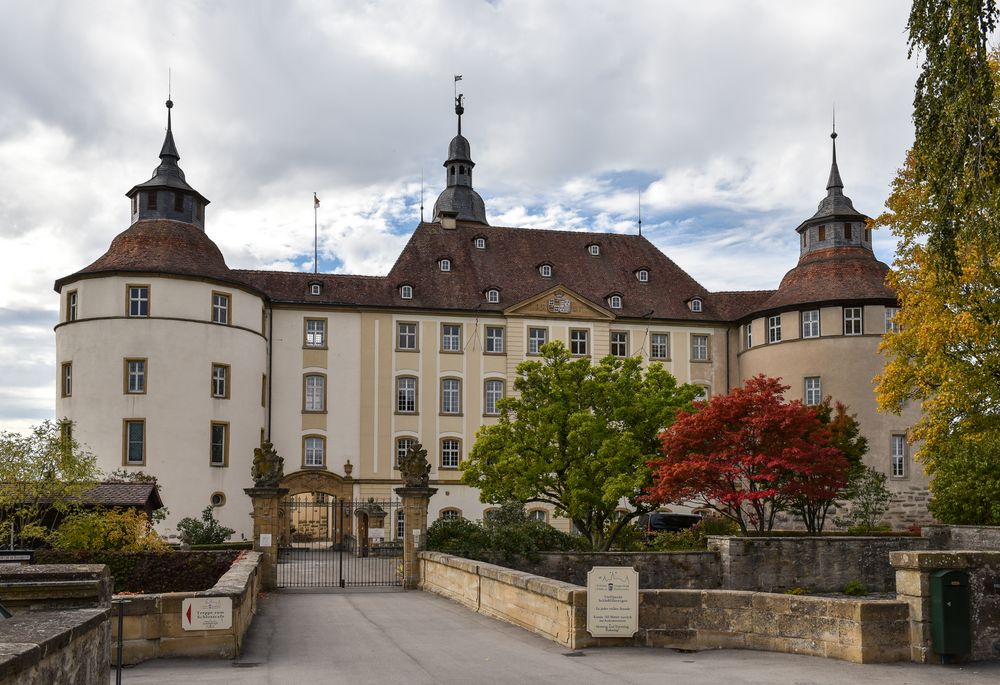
315, 288
480, 242
594, 249
615, 301
545, 270
461, 169
695, 304
493, 296
406, 291
642, 275
445, 264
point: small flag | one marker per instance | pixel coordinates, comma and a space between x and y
315, 200
458, 77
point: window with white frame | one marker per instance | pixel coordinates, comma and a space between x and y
72, 299
494, 339
67, 379
703, 393
594, 250
578, 341
138, 300
401, 520
315, 393
659, 346
538, 515
451, 396
406, 292
493, 296
451, 337
891, 325
315, 332
536, 338
406, 336
135, 376
403, 445
220, 381
748, 335
406, 395
545, 270
480, 243
219, 449
451, 453
492, 393
450, 514
134, 441
314, 451
852, 321
615, 301
813, 391
642, 275
445, 264
774, 329
699, 347
695, 304
220, 308
810, 323
315, 289
619, 343
899, 456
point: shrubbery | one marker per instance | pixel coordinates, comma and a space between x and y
106, 529
151, 572
208, 531
695, 537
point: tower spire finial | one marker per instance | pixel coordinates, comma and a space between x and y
834, 184
459, 107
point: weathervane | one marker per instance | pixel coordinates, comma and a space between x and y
459, 108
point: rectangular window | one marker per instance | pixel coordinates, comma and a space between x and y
822, 233
71, 302
178, 202
402, 446
536, 338
451, 337
219, 453
899, 456
406, 336
135, 376
699, 348
263, 390
852, 321
578, 341
134, 441
451, 396
451, 453
814, 391
810, 323
748, 335
315, 332
220, 308
493, 394
314, 451
151, 200
659, 346
891, 326
406, 395
774, 329
314, 393
494, 339
138, 300
619, 343
848, 232
67, 379
220, 381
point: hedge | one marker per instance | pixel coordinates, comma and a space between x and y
150, 572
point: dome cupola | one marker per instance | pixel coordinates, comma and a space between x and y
458, 199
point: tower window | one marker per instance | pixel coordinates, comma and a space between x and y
134, 441
868, 235
138, 300
67, 379
848, 232
219, 450
71, 305
178, 202
821, 233
899, 456
135, 204
461, 169
774, 329
220, 381
220, 308
852, 321
453, 170
814, 391
810, 323
151, 200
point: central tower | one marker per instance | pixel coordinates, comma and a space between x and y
459, 199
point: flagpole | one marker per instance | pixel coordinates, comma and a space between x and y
315, 234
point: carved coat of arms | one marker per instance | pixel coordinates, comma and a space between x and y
560, 304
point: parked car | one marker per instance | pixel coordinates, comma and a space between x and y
664, 522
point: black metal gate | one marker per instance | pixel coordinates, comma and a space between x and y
333, 543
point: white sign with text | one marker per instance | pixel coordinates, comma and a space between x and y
207, 613
612, 601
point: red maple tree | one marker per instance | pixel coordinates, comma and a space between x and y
748, 455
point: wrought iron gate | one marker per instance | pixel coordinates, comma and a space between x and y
333, 543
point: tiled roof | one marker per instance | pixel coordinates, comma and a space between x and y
734, 305
160, 246
124, 495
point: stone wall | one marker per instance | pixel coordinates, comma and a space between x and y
152, 626
55, 648
54, 587
982, 538
819, 564
858, 630
689, 570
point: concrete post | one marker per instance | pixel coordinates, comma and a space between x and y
415, 500
267, 521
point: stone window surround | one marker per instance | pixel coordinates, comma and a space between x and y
320, 382
224, 425
306, 449
126, 444
222, 308
458, 452
141, 373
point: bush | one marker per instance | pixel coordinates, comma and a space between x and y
150, 572
695, 537
118, 530
208, 531
855, 589
869, 500
797, 591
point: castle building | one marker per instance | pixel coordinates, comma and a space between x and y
174, 364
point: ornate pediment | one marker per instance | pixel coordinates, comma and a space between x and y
559, 303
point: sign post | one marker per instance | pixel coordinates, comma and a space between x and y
612, 601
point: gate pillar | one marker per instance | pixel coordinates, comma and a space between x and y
269, 522
415, 500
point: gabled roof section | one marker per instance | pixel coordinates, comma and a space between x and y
561, 303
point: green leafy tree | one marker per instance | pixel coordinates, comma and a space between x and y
207, 531
42, 476
119, 530
966, 481
577, 436
868, 500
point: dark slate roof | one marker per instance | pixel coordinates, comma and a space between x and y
734, 305
293, 287
124, 495
461, 201
159, 246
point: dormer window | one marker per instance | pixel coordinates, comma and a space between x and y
642, 275
480, 243
545, 270
594, 250
493, 296
695, 304
406, 292
445, 264
315, 289
615, 301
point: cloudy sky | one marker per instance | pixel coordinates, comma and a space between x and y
718, 112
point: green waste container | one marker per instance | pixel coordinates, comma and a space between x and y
951, 632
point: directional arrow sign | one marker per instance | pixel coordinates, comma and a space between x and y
207, 613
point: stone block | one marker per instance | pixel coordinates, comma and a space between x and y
728, 599
199, 644
765, 622
912, 582
809, 627
720, 639
135, 651
875, 610
771, 602
674, 639
846, 609
852, 653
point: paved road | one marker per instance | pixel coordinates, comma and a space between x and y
415, 638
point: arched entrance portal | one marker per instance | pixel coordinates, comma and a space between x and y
328, 540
